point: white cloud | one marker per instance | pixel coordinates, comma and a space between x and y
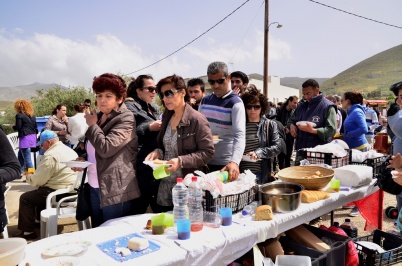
48, 58
18, 30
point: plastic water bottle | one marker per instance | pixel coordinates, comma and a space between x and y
349, 228
195, 205
249, 210
180, 198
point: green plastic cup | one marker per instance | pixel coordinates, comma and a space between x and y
169, 220
161, 172
158, 224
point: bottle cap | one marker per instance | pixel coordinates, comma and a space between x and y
179, 179
347, 220
194, 178
244, 212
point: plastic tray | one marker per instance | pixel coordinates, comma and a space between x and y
315, 157
237, 201
375, 163
390, 242
333, 257
110, 246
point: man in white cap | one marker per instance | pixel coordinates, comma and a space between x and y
50, 175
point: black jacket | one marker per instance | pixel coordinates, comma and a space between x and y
26, 125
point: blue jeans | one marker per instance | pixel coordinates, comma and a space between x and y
24, 157
101, 215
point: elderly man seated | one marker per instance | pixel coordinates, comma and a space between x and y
50, 175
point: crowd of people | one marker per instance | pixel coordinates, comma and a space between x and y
128, 127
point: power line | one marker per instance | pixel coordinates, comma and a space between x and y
248, 29
187, 44
356, 14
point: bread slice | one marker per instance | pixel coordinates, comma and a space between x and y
263, 213
309, 196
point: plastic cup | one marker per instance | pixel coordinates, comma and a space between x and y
183, 229
335, 185
158, 224
226, 214
161, 172
212, 219
169, 220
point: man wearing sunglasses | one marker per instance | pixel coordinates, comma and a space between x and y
239, 81
227, 118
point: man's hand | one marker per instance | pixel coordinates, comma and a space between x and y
395, 162
155, 126
236, 90
293, 131
193, 101
307, 128
153, 156
233, 170
91, 118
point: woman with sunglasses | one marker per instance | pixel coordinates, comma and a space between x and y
262, 137
185, 140
140, 96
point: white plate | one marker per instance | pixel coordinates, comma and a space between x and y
217, 140
77, 164
304, 123
62, 261
371, 245
156, 165
247, 158
66, 249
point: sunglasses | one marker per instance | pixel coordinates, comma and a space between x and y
168, 93
255, 107
151, 89
87, 105
213, 81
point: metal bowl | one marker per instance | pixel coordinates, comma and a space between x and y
281, 196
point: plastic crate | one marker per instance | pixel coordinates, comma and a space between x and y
315, 157
375, 163
389, 242
236, 201
333, 257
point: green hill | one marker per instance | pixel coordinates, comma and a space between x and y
372, 76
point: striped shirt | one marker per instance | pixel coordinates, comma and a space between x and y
252, 144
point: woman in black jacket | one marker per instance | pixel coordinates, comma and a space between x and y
262, 137
25, 123
140, 97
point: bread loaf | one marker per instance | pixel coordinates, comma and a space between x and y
263, 212
138, 243
309, 196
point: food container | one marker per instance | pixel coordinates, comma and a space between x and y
281, 196
306, 176
12, 251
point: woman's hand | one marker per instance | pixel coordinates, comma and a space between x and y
77, 169
252, 155
395, 162
91, 118
175, 164
397, 177
155, 126
65, 119
153, 156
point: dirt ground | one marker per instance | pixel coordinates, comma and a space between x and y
70, 225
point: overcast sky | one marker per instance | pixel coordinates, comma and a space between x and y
70, 42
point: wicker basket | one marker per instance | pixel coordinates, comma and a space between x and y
297, 174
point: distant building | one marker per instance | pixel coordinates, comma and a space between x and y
276, 92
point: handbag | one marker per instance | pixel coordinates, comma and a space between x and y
385, 180
84, 209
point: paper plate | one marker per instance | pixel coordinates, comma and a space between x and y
304, 123
66, 249
217, 140
64, 260
157, 163
247, 158
77, 164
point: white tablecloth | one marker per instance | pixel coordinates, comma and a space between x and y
211, 246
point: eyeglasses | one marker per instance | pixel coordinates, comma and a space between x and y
151, 89
255, 107
87, 105
168, 93
219, 81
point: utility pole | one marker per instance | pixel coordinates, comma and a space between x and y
266, 34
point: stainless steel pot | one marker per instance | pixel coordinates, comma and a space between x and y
281, 196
